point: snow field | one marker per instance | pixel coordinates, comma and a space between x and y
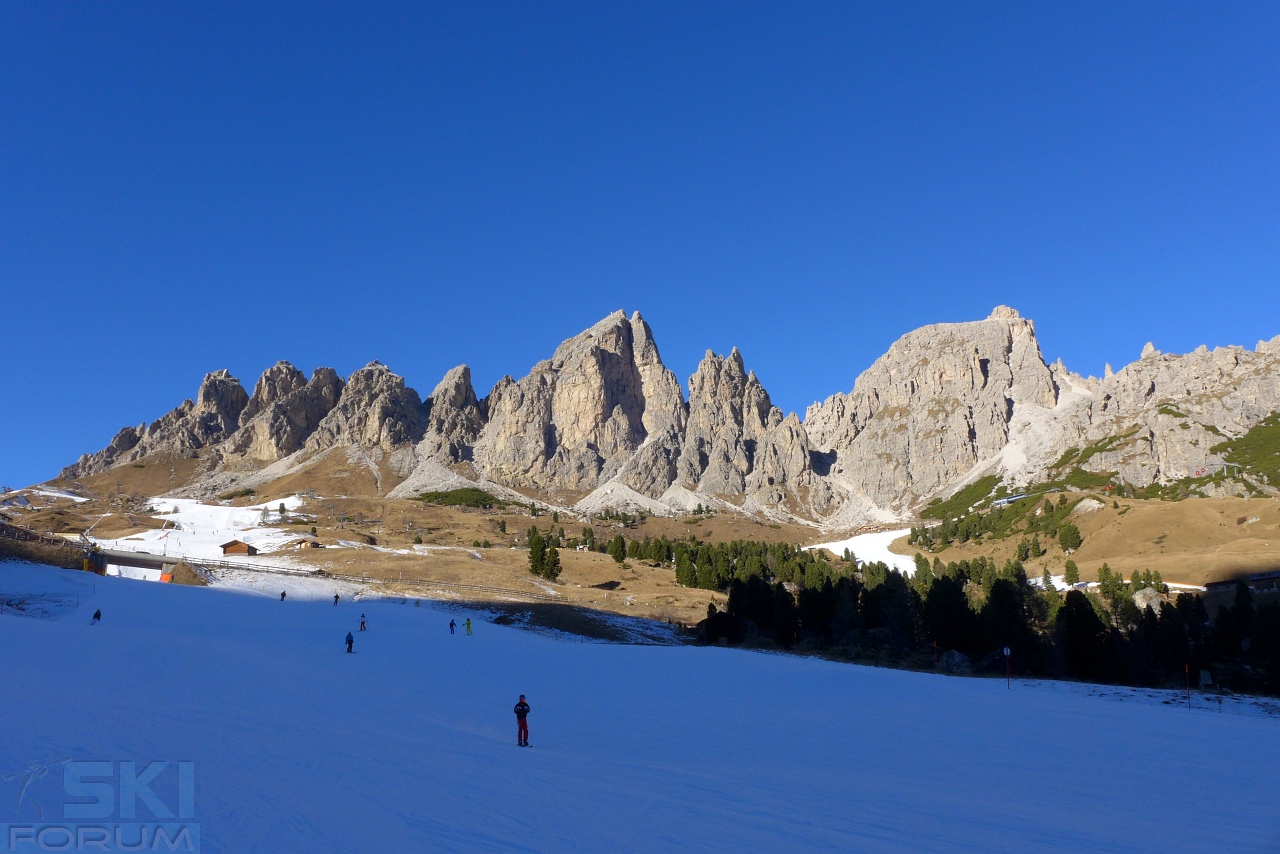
409, 744
199, 530
873, 548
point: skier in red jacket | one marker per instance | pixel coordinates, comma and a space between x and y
522, 725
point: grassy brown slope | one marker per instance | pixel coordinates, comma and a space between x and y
588, 580
330, 474
156, 475
1189, 542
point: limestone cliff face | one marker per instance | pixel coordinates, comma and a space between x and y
946, 404
376, 410
454, 419
729, 414
284, 412
577, 418
213, 416
951, 401
115, 452
1158, 418
276, 381
216, 413
937, 403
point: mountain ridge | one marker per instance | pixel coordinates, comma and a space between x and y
604, 423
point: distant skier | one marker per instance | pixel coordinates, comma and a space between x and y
468, 625
363, 627
522, 724
281, 595
452, 627
350, 642
97, 616
335, 599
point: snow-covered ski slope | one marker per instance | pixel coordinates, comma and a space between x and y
197, 531
409, 745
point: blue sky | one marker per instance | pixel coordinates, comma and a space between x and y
186, 187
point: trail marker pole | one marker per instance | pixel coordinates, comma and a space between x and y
1008, 672
1187, 667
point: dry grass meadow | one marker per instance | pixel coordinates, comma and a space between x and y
1190, 541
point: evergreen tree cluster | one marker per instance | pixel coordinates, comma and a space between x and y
714, 566
1000, 522
978, 607
544, 554
627, 520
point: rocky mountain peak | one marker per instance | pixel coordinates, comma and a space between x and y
945, 404
213, 417
454, 390
729, 414
455, 418
376, 410
284, 412
276, 382
940, 400
218, 406
575, 419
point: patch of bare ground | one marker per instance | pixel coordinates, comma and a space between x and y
336, 473
588, 623
588, 580
67, 558
156, 475
1189, 542
184, 574
54, 520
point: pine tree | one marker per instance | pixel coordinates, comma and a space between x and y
685, 573
1085, 639
1069, 537
551, 564
1243, 609
1072, 576
537, 552
922, 579
1047, 579
618, 548
922, 563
